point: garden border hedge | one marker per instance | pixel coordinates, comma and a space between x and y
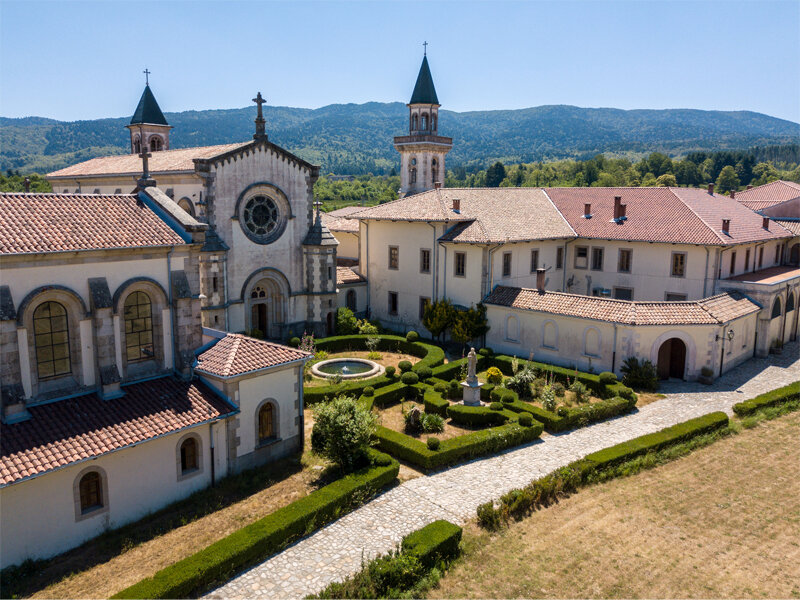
475, 416
433, 543
218, 562
788, 393
575, 417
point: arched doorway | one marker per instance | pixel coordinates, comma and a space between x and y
331, 324
672, 359
267, 309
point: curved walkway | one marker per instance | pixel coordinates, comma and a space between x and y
338, 550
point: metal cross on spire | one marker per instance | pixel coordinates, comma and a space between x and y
261, 130
425, 46
146, 76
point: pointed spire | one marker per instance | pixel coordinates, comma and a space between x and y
148, 110
424, 92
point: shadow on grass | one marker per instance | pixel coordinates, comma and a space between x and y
32, 576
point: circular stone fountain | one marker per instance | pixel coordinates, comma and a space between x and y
347, 368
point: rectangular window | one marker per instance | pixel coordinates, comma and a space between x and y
424, 260
559, 258
460, 264
214, 283
423, 304
535, 260
597, 259
394, 257
624, 261
747, 260
621, 293
733, 263
671, 297
392, 303
760, 256
330, 273
581, 257
678, 264
506, 264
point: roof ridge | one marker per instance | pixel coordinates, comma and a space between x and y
695, 213
232, 354
550, 200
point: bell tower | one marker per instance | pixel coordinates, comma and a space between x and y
148, 127
422, 151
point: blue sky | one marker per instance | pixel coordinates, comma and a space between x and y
83, 60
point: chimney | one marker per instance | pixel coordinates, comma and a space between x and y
617, 203
540, 280
437, 185
749, 187
27, 185
733, 194
726, 226
587, 210
765, 223
456, 204
711, 188
623, 211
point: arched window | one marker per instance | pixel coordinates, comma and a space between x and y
137, 145
266, 426
591, 342
512, 328
156, 144
434, 170
433, 122
414, 123
186, 205
51, 338
138, 317
776, 308
424, 122
550, 335
350, 300
790, 303
413, 175
91, 492
189, 455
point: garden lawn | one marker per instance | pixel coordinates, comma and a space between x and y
721, 522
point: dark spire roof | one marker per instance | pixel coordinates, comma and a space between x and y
424, 92
148, 110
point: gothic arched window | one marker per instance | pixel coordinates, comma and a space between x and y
138, 316
424, 122
156, 144
51, 337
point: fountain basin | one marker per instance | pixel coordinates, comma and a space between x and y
347, 368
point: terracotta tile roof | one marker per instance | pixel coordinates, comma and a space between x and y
68, 431
769, 194
347, 275
486, 214
714, 310
160, 162
236, 354
339, 223
768, 276
793, 226
672, 215
69, 222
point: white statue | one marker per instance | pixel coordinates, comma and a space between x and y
472, 365
472, 387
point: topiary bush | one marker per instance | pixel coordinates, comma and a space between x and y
453, 389
409, 378
525, 419
440, 388
412, 336
369, 391
294, 342
625, 392
404, 365
433, 443
607, 378
494, 375
390, 371
496, 406
485, 352
496, 395
423, 372
475, 416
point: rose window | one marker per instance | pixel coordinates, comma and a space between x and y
261, 216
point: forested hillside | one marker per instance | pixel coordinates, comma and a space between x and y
357, 139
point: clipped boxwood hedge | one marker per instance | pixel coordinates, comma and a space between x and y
257, 541
435, 404
456, 449
475, 416
580, 416
560, 374
789, 393
429, 355
433, 543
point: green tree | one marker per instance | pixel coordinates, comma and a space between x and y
438, 317
342, 432
727, 180
346, 322
666, 180
764, 173
495, 175
469, 324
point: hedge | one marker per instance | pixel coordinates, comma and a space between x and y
435, 404
560, 374
456, 449
475, 416
257, 541
789, 393
452, 370
429, 355
580, 416
433, 543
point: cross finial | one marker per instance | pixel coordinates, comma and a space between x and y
146, 76
261, 131
425, 46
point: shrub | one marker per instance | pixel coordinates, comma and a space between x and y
409, 378
521, 382
436, 542
494, 375
367, 328
625, 392
412, 336
706, 372
537, 386
435, 404
294, 342
369, 391
789, 393
639, 375
454, 389
548, 397
432, 423
423, 372
390, 371
321, 355
507, 397
496, 395
559, 389
404, 365
485, 352
433, 444
440, 388
488, 517
580, 391
344, 428
346, 322
525, 419
495, 406
475, 416
607, 378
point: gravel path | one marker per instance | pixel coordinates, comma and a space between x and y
338, 550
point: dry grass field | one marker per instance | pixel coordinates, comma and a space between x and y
723, 522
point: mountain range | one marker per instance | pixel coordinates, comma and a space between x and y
357, 138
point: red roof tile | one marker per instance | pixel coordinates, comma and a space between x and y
70, 222
793, 226
67, 431
347, 275
236, 354
714, 310
339, 223
769, 194
769, 275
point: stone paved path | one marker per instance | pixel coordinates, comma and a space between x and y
337, 550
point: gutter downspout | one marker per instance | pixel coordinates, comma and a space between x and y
300, 372
444, 276
564, 266
705, 274
366, 267
435, 265
614, 353
225, 279
211, 445
722, 350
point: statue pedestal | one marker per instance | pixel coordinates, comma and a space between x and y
471, 393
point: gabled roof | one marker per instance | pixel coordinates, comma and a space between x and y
236, 354
68, 431
719, 309
793, 226
769, 194
338, 223
424, 92
345, 275
71, 222
148, 110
